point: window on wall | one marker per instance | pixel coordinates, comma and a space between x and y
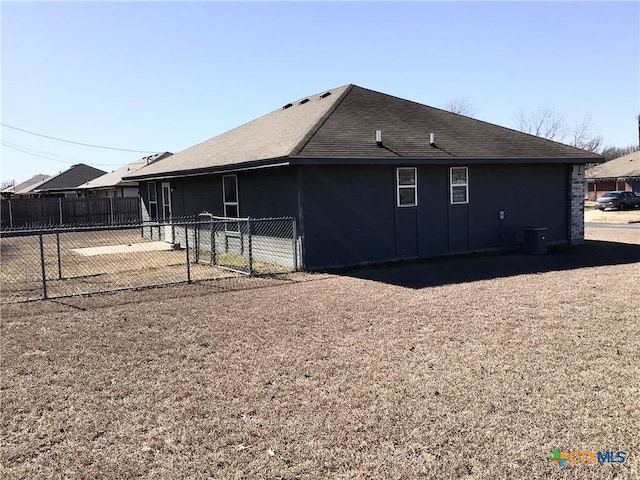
153, 201
459, 185
166, 200
230, 195
406, 181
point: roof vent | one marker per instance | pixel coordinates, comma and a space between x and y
379, 138
325, 94
287, 106
432, 139
302, 102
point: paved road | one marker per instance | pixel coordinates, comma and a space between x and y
611, 225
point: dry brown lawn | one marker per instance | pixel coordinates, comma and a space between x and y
312, 376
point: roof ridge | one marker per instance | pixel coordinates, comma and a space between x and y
295, 151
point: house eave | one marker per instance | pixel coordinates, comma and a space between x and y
57, 190
255, 165
448, 160
287, 161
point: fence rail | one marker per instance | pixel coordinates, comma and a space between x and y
42, 212
60, 261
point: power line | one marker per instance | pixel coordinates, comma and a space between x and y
21, 149
33, 151
75, 143
35, 154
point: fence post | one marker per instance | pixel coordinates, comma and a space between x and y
10, 214
60, 207
212, 258
196, 241
186, 249
295, 245
250, 246
59, 261
44, 275
111, 210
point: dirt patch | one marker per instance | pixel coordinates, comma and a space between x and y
325, 376
126, 248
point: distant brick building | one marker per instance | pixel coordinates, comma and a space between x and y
622, 173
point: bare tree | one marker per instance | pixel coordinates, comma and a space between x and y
582, 137
542, 122
615, 152
548, 123
461, 106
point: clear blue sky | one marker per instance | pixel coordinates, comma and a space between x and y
164, 76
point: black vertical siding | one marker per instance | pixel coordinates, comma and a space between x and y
530, 195
194, 195
349, 215
268, 193
459, 234
264, 193
433, 207
407, 232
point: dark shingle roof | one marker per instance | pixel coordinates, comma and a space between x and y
71, 178
343, 126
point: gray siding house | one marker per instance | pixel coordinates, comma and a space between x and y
112, 184
66, 183
371, 177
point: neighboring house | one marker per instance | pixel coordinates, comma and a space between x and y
112, 184
622, 173
25, 189
371, 177
7, 191
66, 183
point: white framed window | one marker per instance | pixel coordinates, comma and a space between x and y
166, 200
230, 196
407, 186
230, 201
459, 185
153, 201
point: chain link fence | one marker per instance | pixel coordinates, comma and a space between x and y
249, 246
65, 261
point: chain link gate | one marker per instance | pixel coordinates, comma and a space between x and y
246, 245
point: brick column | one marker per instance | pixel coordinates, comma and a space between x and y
576, 214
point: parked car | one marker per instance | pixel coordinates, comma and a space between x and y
619, 200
